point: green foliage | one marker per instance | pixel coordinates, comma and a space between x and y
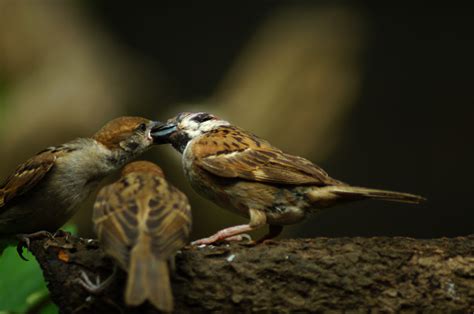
71, 229
50, 308
22, 286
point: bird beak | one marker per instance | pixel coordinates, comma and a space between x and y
162, 132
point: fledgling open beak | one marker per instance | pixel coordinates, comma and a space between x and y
162, 133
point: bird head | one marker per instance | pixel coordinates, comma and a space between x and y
127, 136
179, 130
143, 166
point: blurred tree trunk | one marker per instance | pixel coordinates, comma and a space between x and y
64, 75
301, 275
298, 78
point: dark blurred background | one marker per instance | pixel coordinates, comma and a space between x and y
379, 95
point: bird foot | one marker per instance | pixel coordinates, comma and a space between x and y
25, 241
87, 284
239, 238
229, 234
97, 287
61, 233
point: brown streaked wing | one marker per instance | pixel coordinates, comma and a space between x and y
169, 220
26, 176
240, 154
115, 219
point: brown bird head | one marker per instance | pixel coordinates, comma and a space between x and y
178, 131
128, 134
143, 166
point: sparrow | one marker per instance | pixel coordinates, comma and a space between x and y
45, 191
246, 174
141, 222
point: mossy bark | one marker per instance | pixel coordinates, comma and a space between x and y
299, 275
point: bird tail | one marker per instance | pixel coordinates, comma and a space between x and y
331, 194
148, 278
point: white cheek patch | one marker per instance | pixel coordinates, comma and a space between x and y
193, 133
188, 125
212, 124
194, 129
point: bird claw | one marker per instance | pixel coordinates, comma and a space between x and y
239, 238
98, 286
214, 239
86, 283
25, 241
205, 241
61, 233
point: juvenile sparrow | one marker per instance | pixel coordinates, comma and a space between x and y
244, 173
46, 190
141, 221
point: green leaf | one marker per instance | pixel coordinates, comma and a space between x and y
50, 308
22, 285
70, 228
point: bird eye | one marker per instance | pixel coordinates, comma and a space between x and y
203, 117
141, 127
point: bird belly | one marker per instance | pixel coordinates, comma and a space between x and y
280, 204
47, 208
212, 191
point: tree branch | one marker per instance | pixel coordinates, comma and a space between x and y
304, 275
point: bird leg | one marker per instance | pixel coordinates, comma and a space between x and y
97, 287
25, 241
224, 234
61, 233
257, 220
239, 238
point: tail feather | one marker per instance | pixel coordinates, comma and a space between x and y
148, 278
161, 293
332, 194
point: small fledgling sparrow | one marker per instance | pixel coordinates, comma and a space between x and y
244, 173
142, 221
45, 191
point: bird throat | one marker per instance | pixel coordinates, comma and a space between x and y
179, 141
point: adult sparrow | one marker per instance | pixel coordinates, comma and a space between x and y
244, 173
141, 221
47, 189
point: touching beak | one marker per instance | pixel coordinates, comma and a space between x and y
162, 132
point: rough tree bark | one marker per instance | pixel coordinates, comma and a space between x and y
302, 275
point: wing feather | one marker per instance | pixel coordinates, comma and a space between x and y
114, 232
140, 204
26, 176
239, 154
169, 220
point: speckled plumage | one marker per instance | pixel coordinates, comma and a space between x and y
246, 174
47, 189
141, 221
